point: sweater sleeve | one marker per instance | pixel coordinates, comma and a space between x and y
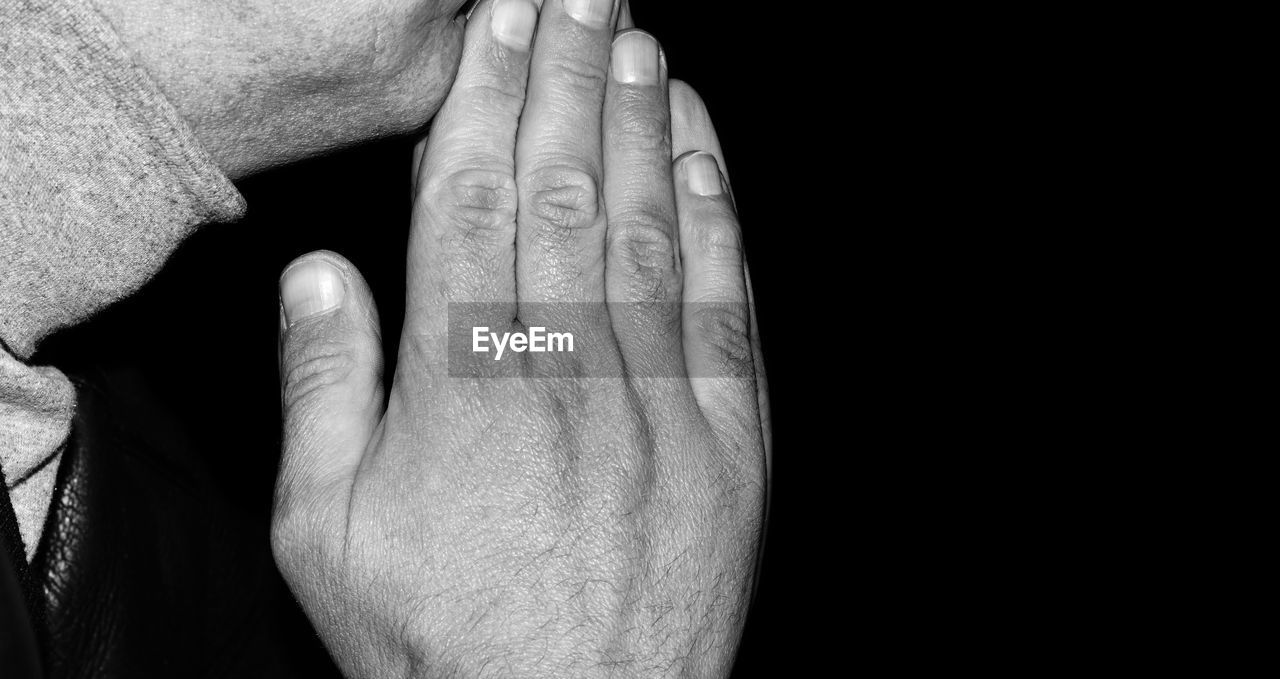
100, 180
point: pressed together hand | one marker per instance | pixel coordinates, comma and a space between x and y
521, 522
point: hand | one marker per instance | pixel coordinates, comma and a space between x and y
267, 82
497, 518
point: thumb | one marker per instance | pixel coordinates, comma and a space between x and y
330, 375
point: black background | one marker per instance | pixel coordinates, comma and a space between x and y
201, 338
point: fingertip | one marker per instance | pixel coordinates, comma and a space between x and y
710, 234
513, 23
310, 286
691, 126
638, 59
591, 13
686, 103
688, 110
700, 174
320, 283
330, 341
624, 16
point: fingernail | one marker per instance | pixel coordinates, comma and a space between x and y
635, 59
310, 288
703, 174
593, 13
513, 23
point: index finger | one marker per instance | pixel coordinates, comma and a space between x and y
462, 242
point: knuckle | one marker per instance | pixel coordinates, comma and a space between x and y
474, 202
576, 76
294, 532
647, 284
562, 197
641, 127
315, 367
645, 237
725, 329
284, 531
305, 523
491, 95
719, 241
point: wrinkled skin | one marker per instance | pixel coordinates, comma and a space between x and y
513, 526
266, 82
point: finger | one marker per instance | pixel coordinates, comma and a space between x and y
762, 381
418, 149
330, 376
624, 16
692, 130
691, 126
462, 244
642, 267
716, 316
560, 240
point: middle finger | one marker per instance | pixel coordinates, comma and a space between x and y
559, 164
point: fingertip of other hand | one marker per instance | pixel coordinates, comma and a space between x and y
513, 22
591, 13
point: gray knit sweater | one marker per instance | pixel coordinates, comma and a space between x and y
100, 180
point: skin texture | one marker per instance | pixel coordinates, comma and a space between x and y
462, 527
267, 82
550, 527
